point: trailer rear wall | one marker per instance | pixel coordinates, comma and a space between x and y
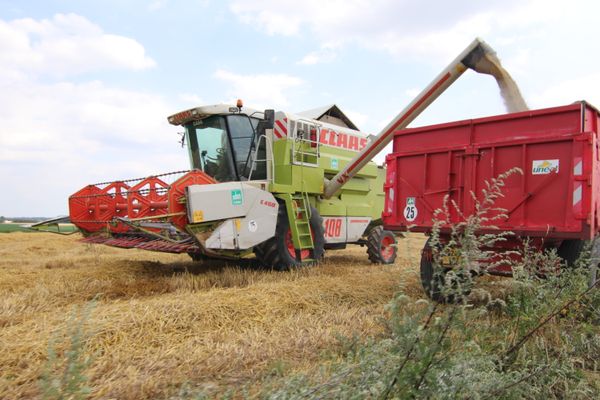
556, 148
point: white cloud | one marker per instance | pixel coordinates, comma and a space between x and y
156, 5
284, 19
41, 114
402, 28
544, 44
60, 115
412, 92
578, 88
358, 118
57, 138
65, 44
193, 100
326, 54
56, 135
311, 58
261, 90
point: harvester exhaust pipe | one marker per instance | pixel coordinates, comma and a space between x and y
478, 56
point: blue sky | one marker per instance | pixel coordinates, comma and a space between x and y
86, 86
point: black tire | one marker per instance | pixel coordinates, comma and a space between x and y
197, 257
381, 246
432, 283
433, 279
274, 252
570, 250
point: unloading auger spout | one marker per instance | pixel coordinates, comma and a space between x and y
478, 56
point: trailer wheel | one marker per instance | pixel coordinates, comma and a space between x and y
570, 250
433, 279
278, 252
381, 246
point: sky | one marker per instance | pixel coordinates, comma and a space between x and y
86, 86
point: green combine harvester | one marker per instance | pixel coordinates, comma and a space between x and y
284, 187
255, 186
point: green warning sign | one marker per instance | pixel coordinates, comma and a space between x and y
236, 197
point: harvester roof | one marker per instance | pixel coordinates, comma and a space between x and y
197, 113
331, 114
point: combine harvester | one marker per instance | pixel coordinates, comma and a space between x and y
284, 187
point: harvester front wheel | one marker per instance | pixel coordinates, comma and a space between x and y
197, 257
381, 246
278, 252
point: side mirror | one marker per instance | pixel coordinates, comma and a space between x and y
267, 123
269, 119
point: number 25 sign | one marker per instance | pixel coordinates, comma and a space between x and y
410, 211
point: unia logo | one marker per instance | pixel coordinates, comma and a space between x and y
544, 167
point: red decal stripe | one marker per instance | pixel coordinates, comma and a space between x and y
282, 127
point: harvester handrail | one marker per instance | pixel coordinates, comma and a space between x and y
303, 139
268, 155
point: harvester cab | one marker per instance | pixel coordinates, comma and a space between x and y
281, 186
224, 141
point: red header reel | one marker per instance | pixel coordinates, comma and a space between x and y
95, 208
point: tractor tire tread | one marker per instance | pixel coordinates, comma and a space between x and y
374, 246
570, 250
433, 280
271, 252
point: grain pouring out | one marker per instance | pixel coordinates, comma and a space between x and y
490, 64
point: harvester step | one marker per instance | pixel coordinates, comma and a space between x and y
300, 226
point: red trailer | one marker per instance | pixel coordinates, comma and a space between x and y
555, 201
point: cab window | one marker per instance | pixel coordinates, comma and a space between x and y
244, 141
209, 148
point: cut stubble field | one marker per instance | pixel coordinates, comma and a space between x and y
160, 322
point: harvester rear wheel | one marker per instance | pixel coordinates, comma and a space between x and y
381, 246
275, 253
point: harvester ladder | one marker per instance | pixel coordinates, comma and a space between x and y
298, 211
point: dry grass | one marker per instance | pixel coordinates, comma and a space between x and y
161, 321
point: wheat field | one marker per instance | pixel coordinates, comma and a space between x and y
158, 322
